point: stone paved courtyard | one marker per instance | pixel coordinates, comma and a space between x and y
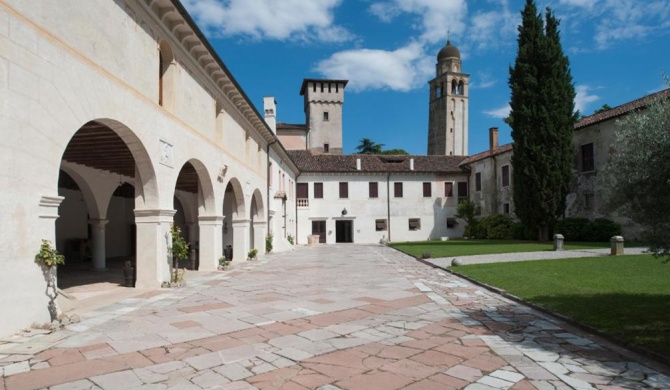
324, 317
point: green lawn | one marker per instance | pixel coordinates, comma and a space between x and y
484, 247
625, 296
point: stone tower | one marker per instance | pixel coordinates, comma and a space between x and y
323, 114
448, 105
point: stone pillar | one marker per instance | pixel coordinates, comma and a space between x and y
192, 233
153, 239
558, 242
211, 230
617, 246
240, 239
98, 244
259, 237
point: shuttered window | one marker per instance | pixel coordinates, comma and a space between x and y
427, 190
344, 190
397, 190
318, 190
373, 189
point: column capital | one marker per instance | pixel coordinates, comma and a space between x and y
241, 222
98, 223
154, 215
260, 223
210, 220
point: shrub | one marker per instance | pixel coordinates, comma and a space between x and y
268, 243
602, 229
521, 232
290, 239
581, 229
573, 229
496, 226
425, 255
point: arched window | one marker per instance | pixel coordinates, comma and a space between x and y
454, 87
460, 87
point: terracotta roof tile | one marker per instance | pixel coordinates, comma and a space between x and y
620, 110
488, 153
333, 163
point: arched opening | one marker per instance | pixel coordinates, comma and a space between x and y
257, 222
454, 87
96, 228
234, 240
461, 87
186, 199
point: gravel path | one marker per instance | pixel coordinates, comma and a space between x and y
526, 256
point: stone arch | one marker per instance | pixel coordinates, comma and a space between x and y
100, 156
256, 206
234, 188
204, 186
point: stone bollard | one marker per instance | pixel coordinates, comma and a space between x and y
617, 246
558, 242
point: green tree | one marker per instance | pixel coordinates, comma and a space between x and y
368, 146
395, 152
604, 108
542, 118
637, 176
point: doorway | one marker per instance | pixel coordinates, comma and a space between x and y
344, 231
319, 227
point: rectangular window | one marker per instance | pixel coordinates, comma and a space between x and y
318, 190
448, 189
451, 223
588, 163
505, 208
505, 175
589, 200
380, 225
397, 190
373, 189
326, 148
462, 191
414, 224
478, 181
325, 116
344, 190
427, 190
303, 191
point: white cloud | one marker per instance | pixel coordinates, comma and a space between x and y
493, 28
434, 18
270, 19
583, 97
502, 112
481, 80
402, 69
579, 3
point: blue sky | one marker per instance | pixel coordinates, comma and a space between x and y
618, 50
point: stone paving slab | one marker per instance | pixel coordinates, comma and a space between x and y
323, 317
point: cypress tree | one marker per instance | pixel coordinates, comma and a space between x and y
542, 118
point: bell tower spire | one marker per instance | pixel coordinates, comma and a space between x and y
448, 105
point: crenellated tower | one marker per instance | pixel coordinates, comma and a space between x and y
323, 114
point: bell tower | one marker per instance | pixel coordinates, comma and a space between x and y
448, 105
323, 114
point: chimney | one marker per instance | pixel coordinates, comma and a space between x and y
411, 164
270, 110
358, 164
493, 138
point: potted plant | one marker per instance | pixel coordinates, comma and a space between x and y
129, 274
179, 250
224, 263
252, 254
48, 259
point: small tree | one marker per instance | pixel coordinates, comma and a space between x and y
467, 211
368, 146
637, 177
179, 246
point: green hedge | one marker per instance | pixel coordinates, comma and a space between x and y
581, 229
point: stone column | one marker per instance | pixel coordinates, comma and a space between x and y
98, 245
259, 237
192, 233
616, 246
558, 242
240, 239
153, 239
211, 230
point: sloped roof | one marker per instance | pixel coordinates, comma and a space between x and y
291, 126
335, 163
620, 110
488, 153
